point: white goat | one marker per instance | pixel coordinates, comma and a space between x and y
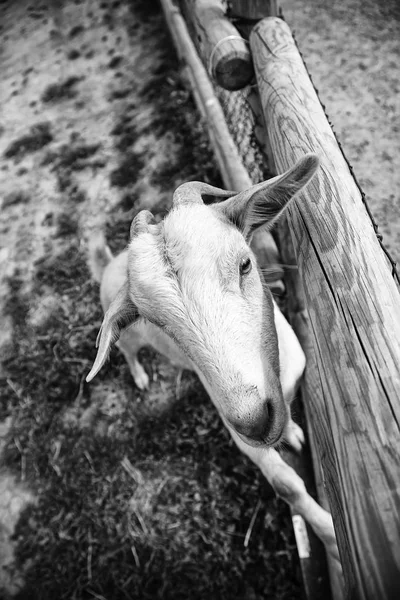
191, 286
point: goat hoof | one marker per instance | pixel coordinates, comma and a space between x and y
294, 436
141, 378
333, 551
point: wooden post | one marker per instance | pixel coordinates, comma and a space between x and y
353, 306
225, 52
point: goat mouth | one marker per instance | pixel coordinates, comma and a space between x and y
270, 441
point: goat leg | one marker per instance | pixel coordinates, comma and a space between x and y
289, 486
129, 344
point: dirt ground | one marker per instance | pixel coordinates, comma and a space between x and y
109, 492
106, 491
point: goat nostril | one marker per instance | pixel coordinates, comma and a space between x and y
271, 412
256, 426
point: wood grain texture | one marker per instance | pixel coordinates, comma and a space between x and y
310, 391
320, 569
254, 9
225, 52
353, 307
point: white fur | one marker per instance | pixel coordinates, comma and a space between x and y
183, 277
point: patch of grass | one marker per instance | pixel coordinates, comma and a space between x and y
127, 133
64, 179
61, 272
119, 221
76, 195
146, 12
75, 31
56, 92
38, 364
175, 115
67, 224
123, 122
15, 197
16, 305
184, 508
115, 62
73, 54
127, 202
75, 156
71, 157
128, 170
39, 135
117, 230
120, 94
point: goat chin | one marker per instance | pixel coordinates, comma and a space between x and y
261, 444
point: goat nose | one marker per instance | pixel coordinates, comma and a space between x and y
255, 424
261, 425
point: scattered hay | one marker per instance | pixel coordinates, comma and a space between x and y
15, 197
127, 134
120, 94
67, 225
115, 62
39, 135
14, 497
128, 171
75, 31
73, 156
65, 90
73, 54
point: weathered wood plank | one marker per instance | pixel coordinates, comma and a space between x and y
310, 392
353, 306
315, 569
319, 570
254, 9
225, 52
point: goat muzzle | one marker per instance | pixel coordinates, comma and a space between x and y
264, 426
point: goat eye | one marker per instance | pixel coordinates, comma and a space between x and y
245, 266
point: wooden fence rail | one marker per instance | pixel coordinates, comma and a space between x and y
225, 52
353, 307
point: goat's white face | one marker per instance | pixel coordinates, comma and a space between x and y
195, 276
197, 279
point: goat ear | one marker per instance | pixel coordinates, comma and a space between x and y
121, 313
263, 204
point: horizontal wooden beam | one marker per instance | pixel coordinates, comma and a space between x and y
353, 306
223, 49
310, 393
319, 569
